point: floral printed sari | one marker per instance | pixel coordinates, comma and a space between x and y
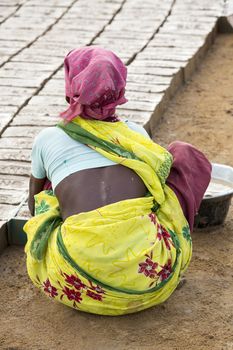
120, 258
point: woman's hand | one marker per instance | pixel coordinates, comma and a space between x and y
35, 187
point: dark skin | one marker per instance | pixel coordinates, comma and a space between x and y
35, 187
90, 189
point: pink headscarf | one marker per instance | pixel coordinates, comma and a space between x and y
95, 81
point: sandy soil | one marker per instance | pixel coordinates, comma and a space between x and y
197, 316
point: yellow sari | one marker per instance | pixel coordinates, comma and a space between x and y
123, 257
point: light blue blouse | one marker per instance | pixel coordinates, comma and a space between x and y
56, 155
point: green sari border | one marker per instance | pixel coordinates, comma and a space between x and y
83, 136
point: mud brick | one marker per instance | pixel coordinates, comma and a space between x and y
78, 35
23, 34
16, 44
12, 3
24, 212
162, 71
32, 56
40, 114
15, 154
14, 91
27, 83
8, 51
28, 120
12, 182
147, 4
152, 53
179, 42
142, 96
21, 131
93, 9
124, 25
176, 44
13, 100
148, 79
49, 52
15, 168
138, 106
42, 110
18, 23
148, 88
23, 74
140, 117
148, 15
7, 111
157, 63
32, 67
57, 36
195, 12
60, 46
50, 3
110, 34
11, 196
177, 35
185, 31
53, 88
185, 52
145, 12
7, 211
16, 142
80, 24
133, 45
41, 11
49, 100
188, 17
212, 9
42, 48
190, 25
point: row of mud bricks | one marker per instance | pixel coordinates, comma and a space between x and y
164, 54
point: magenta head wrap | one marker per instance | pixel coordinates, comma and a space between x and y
95, 81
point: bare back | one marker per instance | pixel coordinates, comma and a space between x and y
90, 189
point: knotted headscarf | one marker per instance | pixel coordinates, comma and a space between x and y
95, 81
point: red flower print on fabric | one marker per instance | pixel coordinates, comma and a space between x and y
152, 217
71, 294
97, 288
163, 234
49, 289
74, 281
166, 270
94, 296
148, 268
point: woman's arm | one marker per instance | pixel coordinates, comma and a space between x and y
35, 187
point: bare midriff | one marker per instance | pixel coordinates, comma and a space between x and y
90, 189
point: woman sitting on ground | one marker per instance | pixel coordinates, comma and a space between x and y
112, 236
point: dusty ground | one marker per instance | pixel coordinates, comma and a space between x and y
197, 316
